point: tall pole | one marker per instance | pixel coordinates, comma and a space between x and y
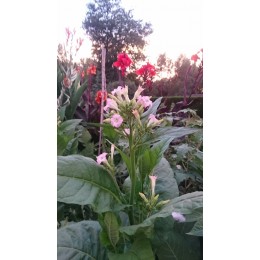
103, 73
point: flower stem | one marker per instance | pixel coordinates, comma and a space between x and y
132, 173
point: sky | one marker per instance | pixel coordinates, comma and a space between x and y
177, 25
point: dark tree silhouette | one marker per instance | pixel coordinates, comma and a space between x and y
107, 23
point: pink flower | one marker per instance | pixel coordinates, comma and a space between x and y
153, 121
178, 217
116, 120
127, 131
111, 104
117, 90
112, 151
153, 181
121, 91
144, 101
102, 158
138, 92
136, 114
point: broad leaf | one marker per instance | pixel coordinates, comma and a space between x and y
185, 204
170, 132
162, 137
62, 142
72, 147
112, 228
82, 181
171, 242
166, 185
197, 229
140, 250
68, 126
80, 241
148, 161
110, 133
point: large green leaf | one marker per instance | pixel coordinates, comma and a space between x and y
148, 161
185, 204
80, 241
170, 132
67, 143
112, 228
161, 139
140, 250
68, 127
72, 147
62, 142
171, 242
197, 229
82, 181
166, 185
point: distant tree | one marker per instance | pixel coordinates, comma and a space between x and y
165, 66
185, 74
107, 23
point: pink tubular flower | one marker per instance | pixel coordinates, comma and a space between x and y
144, 101
127, 131
102, 158
111, 104
116, 120
136, 114
178, 217
117, 91
138, 92
153, 121
153, 181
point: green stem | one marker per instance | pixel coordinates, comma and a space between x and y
132, 173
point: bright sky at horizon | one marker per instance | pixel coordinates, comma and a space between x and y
177, 25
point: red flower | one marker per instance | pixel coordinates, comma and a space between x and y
147, 72
123, 61
92, 70
99, 94
195, 57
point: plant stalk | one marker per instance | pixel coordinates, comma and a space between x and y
132, 173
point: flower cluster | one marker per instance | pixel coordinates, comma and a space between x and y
120, 108
92, 70
147, 72
123, 62
152, 202
89, 71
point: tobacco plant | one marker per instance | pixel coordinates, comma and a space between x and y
144, 218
